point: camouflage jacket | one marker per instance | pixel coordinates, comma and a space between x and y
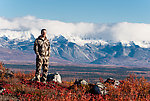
42, 47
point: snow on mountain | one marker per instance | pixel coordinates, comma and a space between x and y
82, 41
18, 35
116, 44
96, 52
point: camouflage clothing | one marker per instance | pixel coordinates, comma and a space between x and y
42, 51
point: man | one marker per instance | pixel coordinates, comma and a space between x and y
42, 51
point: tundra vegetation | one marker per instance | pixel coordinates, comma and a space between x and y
19, 86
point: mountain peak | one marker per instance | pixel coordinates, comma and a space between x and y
60, 39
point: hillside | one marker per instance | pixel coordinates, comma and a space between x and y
19, 87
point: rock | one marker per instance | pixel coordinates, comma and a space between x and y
9, 73
99, 88
96, 90
6, 72
81, 82
78, 83
110, 81
54, 77
117, 83
2, 89
113, 82
102, 88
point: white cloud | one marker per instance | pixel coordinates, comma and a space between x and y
22, 27
131, 31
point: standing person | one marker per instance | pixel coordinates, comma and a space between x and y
42, 51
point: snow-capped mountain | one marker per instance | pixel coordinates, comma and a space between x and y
122, 43
89, 51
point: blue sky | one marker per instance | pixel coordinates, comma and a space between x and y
96, 11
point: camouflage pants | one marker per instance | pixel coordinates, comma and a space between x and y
41, 62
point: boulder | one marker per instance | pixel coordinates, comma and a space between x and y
81, 82
54, 77
2, 89
112, 81
9, 73
117, 83
6, 72
99, 88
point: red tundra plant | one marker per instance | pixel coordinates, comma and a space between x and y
21, 87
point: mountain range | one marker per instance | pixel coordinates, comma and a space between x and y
90, 52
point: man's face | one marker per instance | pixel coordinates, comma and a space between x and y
44, 33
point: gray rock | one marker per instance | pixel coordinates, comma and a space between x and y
2, 89
54, 77
117, 83
81, 82
7, 73
112, 81
99, 88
